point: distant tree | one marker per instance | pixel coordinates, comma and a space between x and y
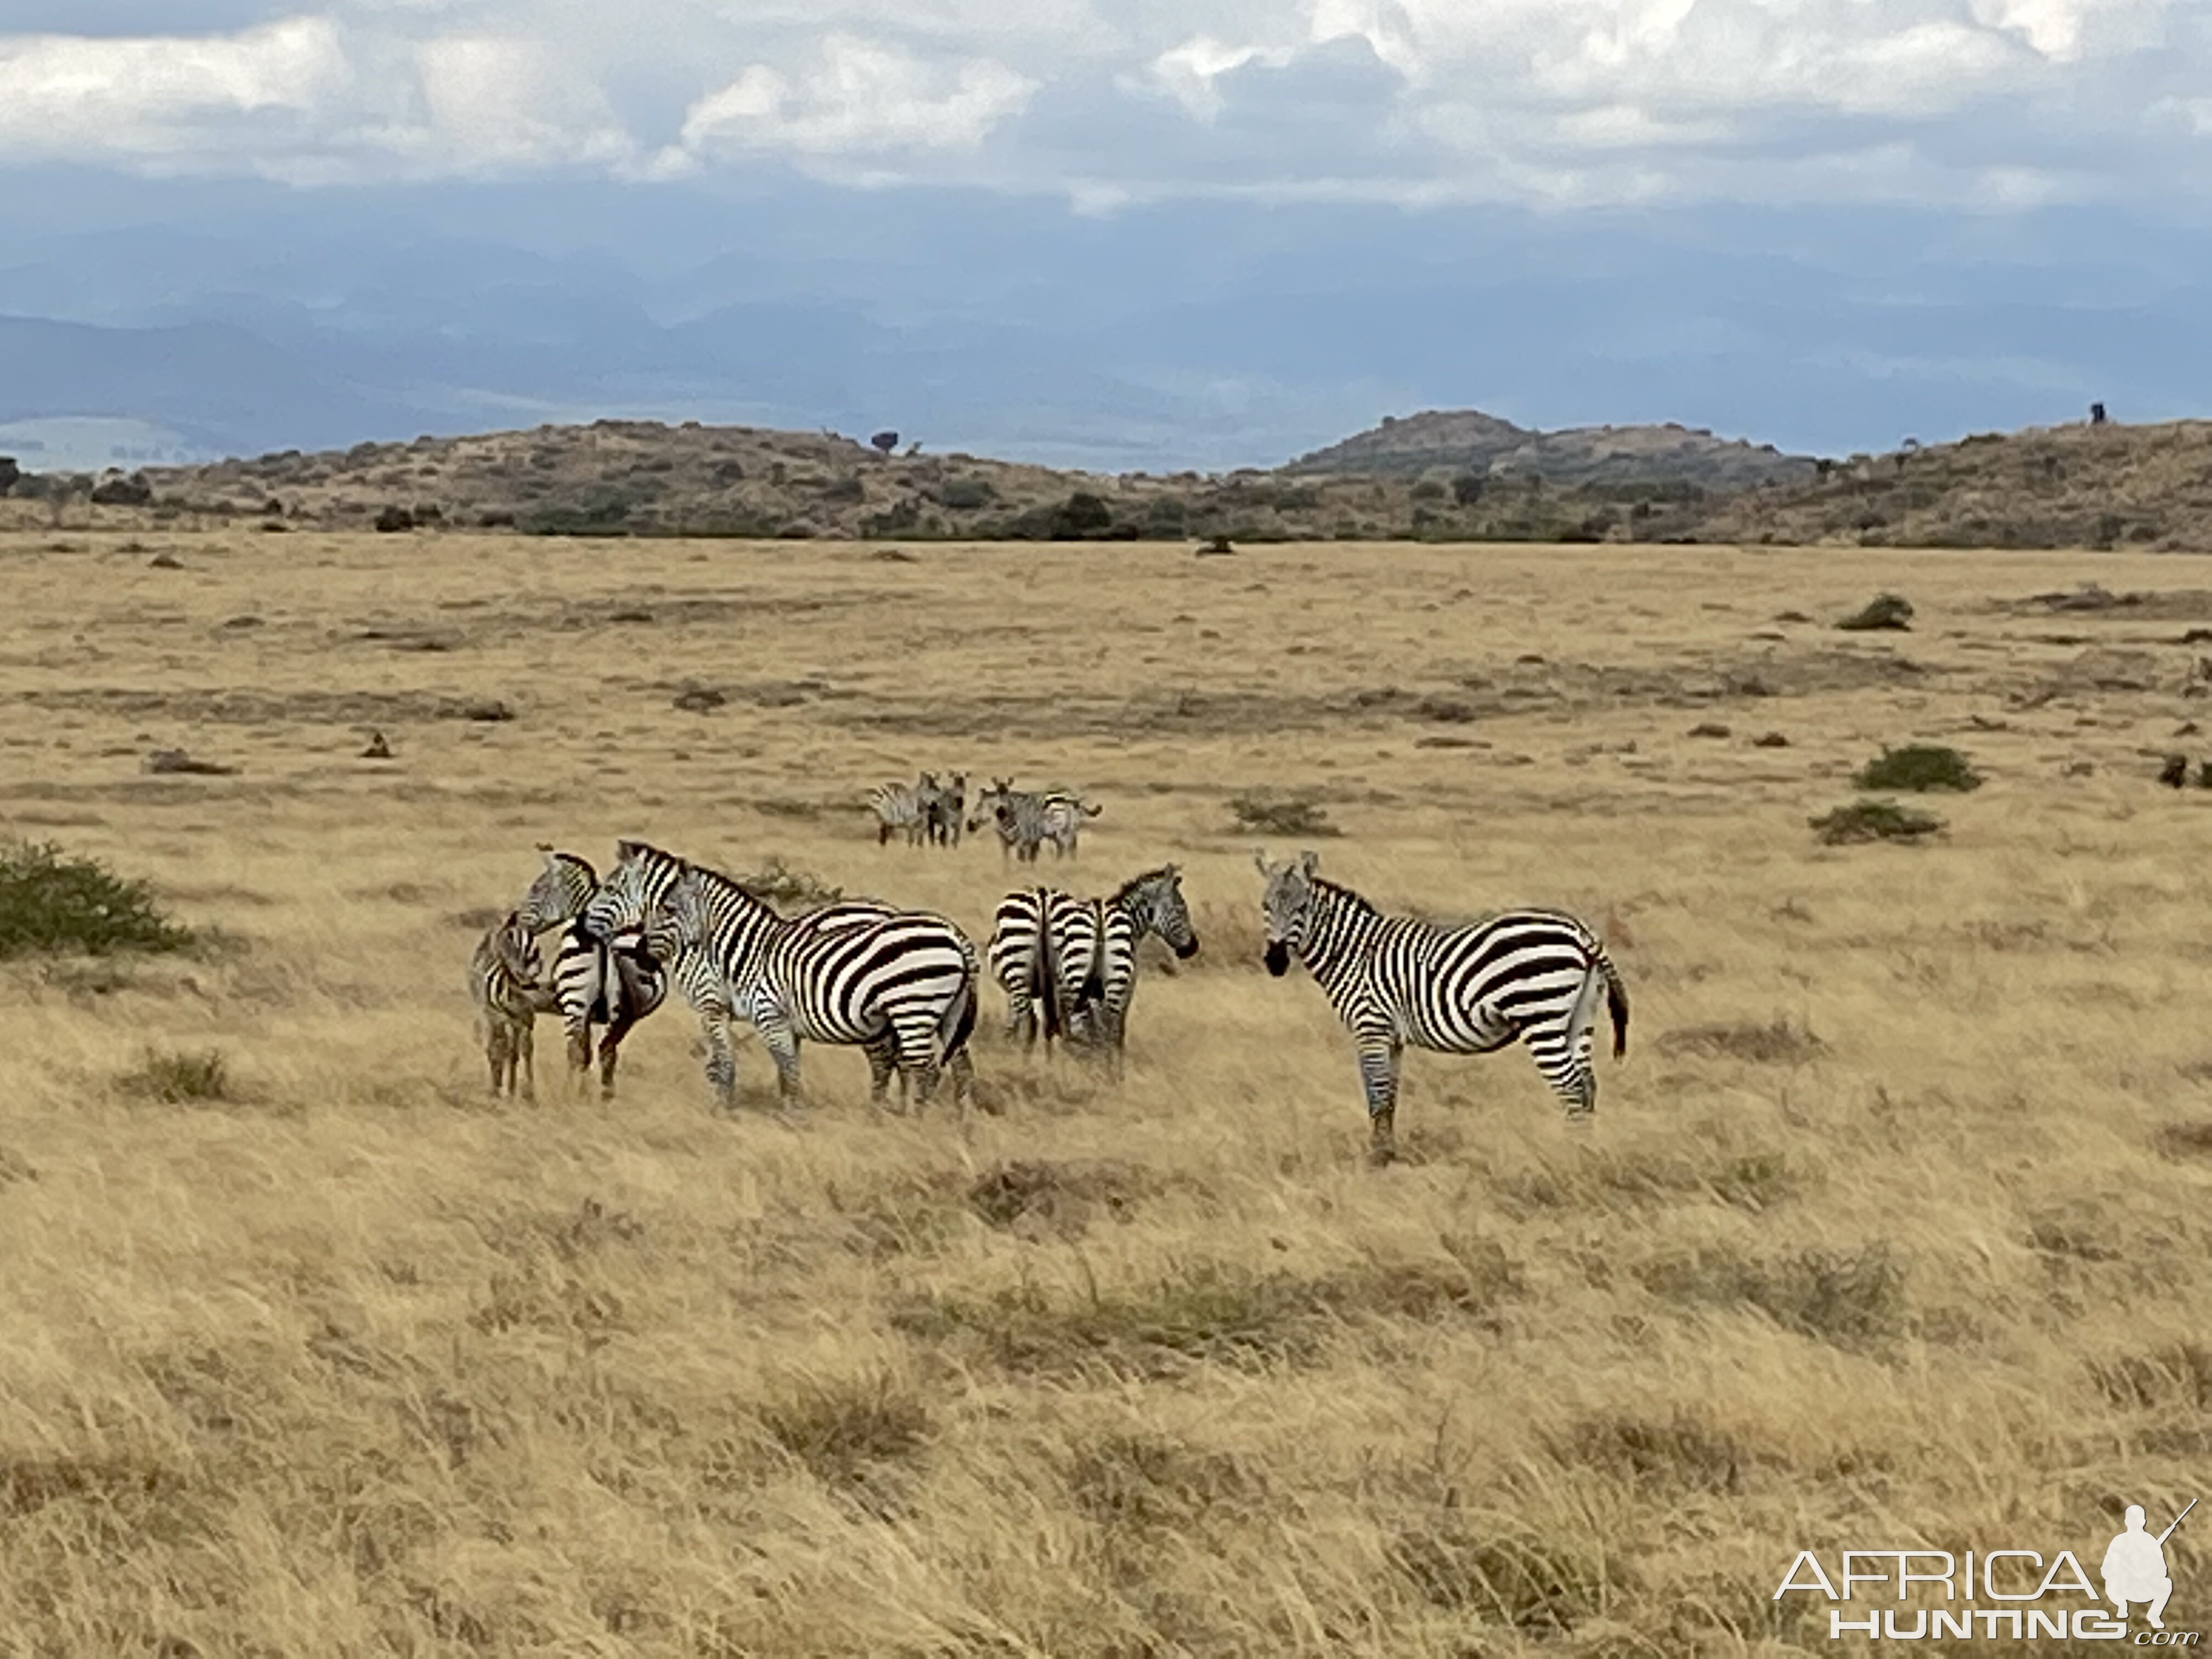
1467, 488
883, 442
1910, 445
2096, 414
10, 471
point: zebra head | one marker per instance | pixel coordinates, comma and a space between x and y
678, 921
990, 802
1155, 900
562, 889
625, 897
1288, 905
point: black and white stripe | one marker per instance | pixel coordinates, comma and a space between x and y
505, 983
900, 984
1395, 982
1150, 903
1042, 951
595, 982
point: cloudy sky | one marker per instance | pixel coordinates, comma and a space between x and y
1120, 231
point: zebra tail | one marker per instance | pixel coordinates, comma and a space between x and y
1616, 1003
1048, 974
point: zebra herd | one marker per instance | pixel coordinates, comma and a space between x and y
902, 984
930, 813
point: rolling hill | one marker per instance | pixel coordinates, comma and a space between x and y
1466, 439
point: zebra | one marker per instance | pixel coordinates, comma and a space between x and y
903, 806
1042, 946
1149, 903
857, 967
1026, 819
1073, 962
945, 810
1395, 981
594, 982
505, 983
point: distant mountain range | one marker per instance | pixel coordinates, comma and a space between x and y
1469, 440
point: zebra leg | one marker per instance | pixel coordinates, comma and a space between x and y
1378, 1079
914, 1044
782, 1045
882, 1062
721, 1059
579, 1034
525, 1044
617, 1029
1021, 1017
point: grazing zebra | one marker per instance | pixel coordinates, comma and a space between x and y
738, 957
1026, 819
504, 984
595, 982
1043, 945
1396, 980
1150, 903
903, 806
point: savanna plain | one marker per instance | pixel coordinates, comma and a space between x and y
1891, 1229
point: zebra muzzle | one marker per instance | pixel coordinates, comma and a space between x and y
1278, 957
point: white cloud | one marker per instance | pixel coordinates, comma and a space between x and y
860, 97
1108, 101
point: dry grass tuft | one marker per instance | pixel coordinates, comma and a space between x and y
179, 1079
1777, 1042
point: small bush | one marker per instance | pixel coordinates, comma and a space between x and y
1919, 766
1874, 820
966, 494
1296, 815
52, 902
1886, 611
781, 886
176, 1079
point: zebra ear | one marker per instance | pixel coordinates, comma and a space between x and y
1260, 859
627, 850
1309, 862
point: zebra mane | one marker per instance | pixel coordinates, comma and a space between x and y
1338, 890
580, 861
1135, 882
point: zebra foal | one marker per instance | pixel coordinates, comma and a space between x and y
505, 984
1398, 981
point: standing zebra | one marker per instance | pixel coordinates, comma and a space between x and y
1396, 980
1026, 819
504, 984
855, 967
903, 806
595, 982
1044, 943
1150, 903
945, 810
1073, 960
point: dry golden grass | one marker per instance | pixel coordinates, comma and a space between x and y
1892, 1226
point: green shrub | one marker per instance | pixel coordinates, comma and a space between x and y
967, 495
52, 902
1919, 766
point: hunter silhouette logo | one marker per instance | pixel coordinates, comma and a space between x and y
2001, 1595
2135, 1566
